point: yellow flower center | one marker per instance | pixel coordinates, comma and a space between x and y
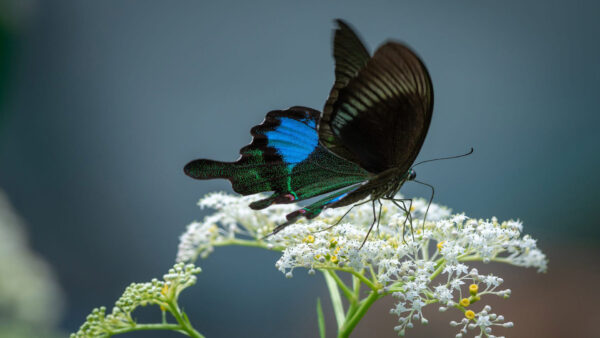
334, 259
470, 314
309, 239
473, 288
332, 242
465, 302
440, 245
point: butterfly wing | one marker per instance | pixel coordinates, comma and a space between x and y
284, 157
338, 199
350, 57
380, 118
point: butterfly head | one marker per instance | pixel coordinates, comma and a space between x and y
411, 174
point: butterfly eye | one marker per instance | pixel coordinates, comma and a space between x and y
412, 175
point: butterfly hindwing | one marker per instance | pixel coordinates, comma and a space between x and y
339, 198
284, 157
380, 118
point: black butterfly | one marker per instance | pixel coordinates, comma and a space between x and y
362, 145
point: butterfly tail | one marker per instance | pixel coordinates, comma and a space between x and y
207, 169
243, 174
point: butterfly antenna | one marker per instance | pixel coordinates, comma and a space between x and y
430, 198
445, 158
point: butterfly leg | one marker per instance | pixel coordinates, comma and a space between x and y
430, 200
408, 215
410, 219
341, 218
403, 208
379, 217
375, 219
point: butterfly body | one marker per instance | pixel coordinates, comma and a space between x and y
361, 147
387, 184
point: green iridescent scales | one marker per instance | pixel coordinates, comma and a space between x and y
262, 168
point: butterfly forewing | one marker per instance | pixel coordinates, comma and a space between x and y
350, 57
349, 53
379, 120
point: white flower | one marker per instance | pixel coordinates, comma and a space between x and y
393, 260
443, 294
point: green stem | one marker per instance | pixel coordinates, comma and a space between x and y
358, 275
373, 274
336, 300
356, 286
351, 311
442, 259
389, 291
362, 309
478, 258
249, 243
181, 318
425, 251
437, 271
356, 293
347, 292
148, 327
320, 319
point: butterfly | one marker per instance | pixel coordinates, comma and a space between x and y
362, 145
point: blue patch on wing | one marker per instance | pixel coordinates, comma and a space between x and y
294, 140
338, 198
341, 196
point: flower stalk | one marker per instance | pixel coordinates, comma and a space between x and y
164, 294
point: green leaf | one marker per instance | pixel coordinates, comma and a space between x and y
320, 318
336, 300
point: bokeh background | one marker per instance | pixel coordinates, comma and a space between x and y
103, 102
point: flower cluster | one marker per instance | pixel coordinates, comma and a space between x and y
163, 293
418, 262
233, 220
485, 320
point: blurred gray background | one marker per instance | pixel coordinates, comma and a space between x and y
103, 102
